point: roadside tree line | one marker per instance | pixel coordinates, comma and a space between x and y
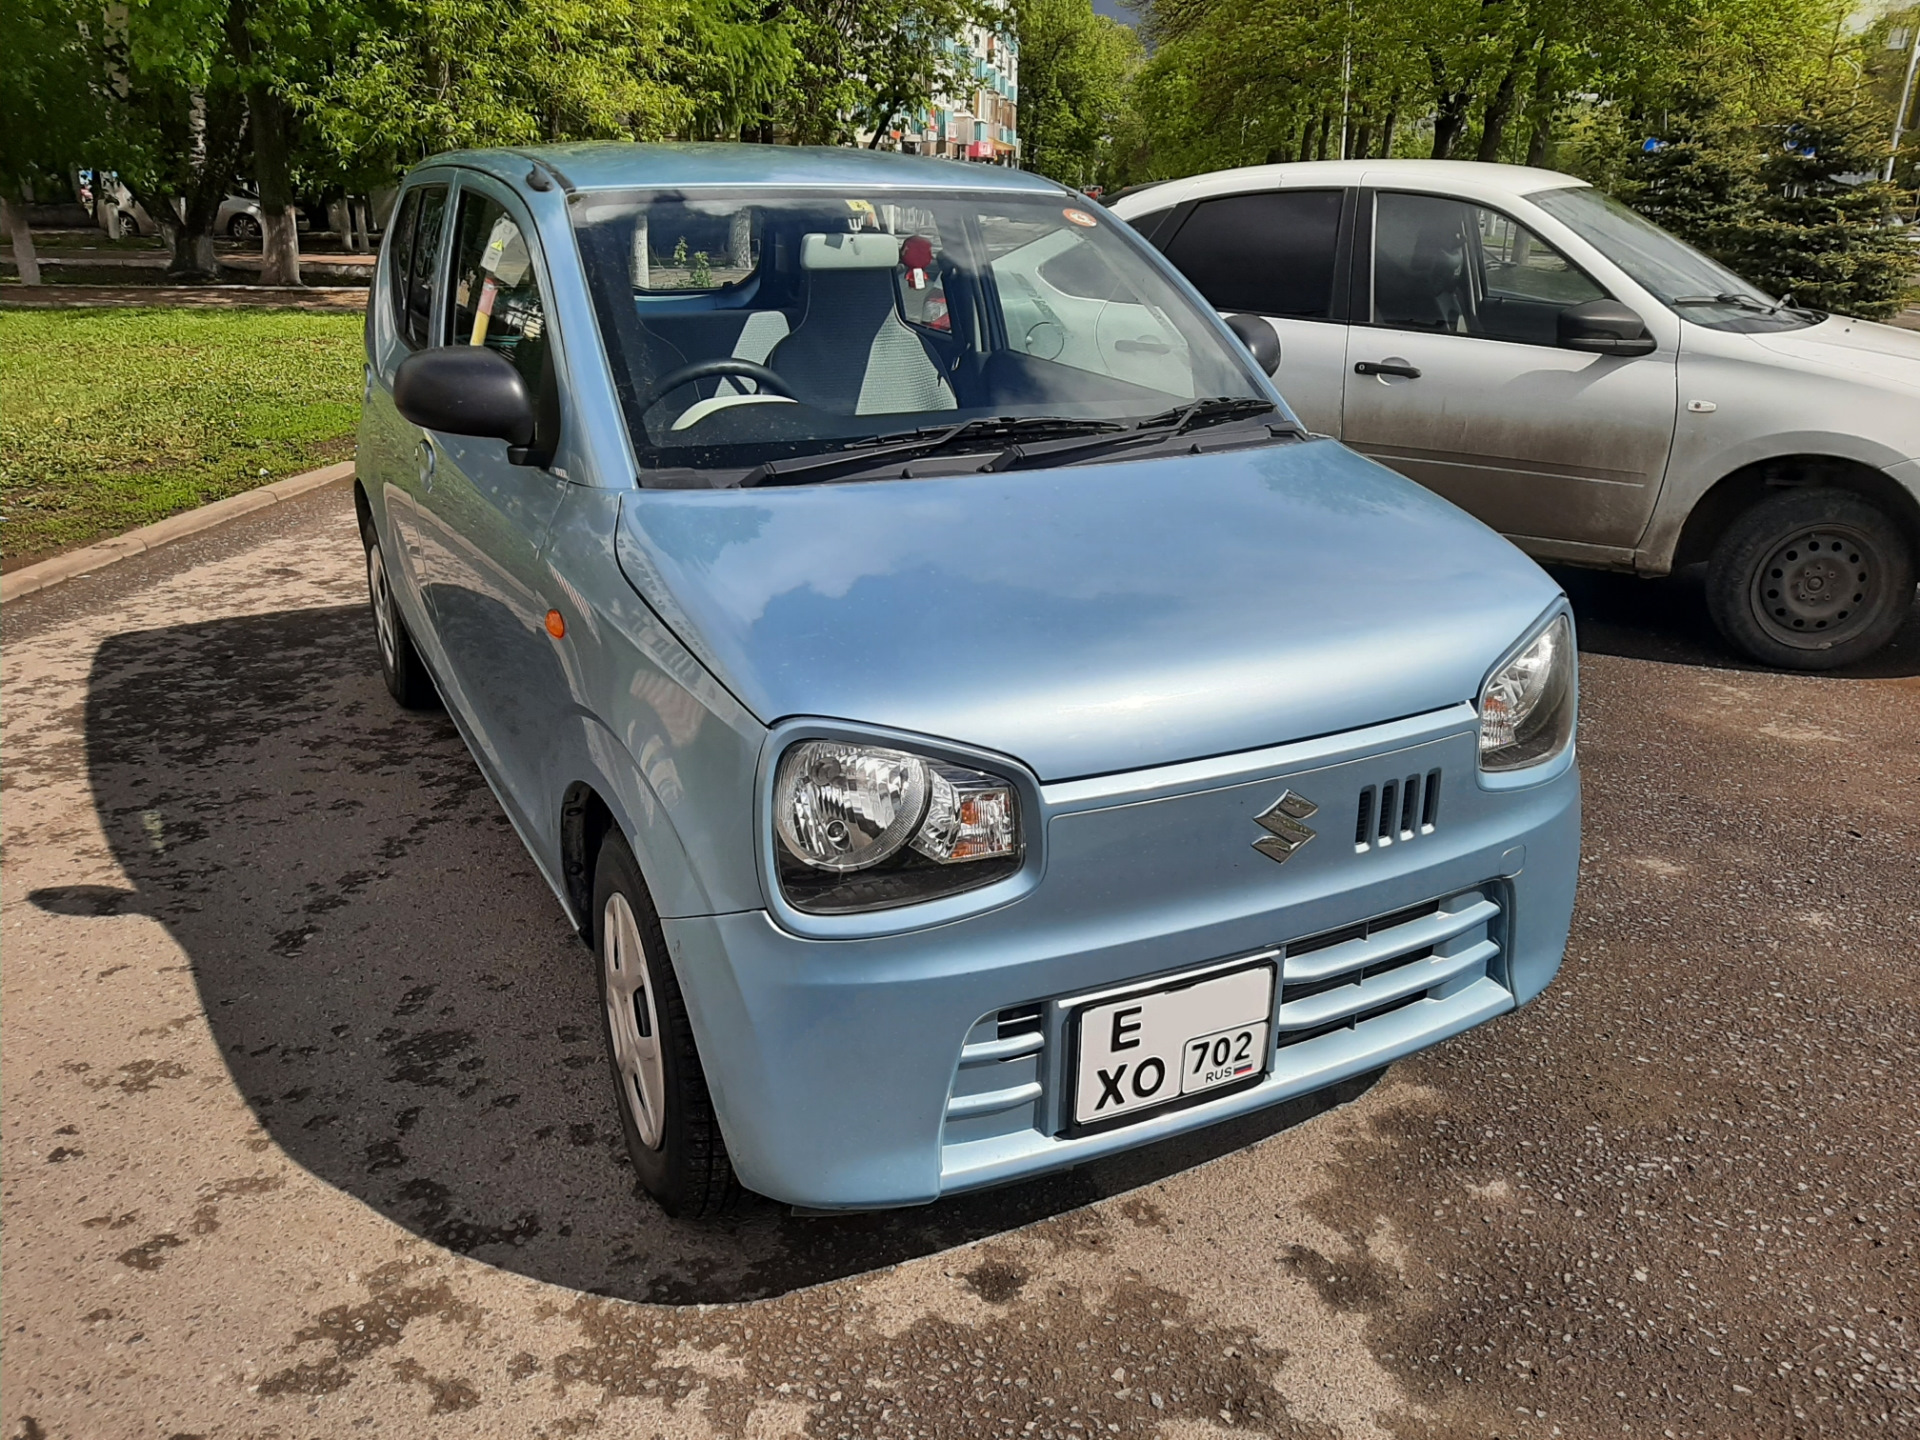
1760, 130
179, 98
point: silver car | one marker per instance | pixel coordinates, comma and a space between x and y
1580, 380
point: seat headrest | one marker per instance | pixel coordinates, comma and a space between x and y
864, 250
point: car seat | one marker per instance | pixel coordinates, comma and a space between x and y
851, 353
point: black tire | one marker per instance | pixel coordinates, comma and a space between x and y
1811, 579
244, 228
400, 664
676, 1147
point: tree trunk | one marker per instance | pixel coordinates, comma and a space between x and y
1449, 121
1362, 139
1542, 108
189, 242
24, 256
1326, 134
279, 223
1493, 125
1386, 134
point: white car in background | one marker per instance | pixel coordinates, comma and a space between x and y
1580, 380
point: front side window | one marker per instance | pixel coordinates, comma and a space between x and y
414, 262
757, 326
1455, 267
1271, 254
496, 290
1672, 271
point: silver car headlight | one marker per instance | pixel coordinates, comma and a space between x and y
863, 827
1527, 705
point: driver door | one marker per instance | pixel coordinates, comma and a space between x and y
484, 523
1455, 379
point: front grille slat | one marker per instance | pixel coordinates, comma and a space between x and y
1396, 811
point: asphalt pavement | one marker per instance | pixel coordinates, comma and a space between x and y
307, 1131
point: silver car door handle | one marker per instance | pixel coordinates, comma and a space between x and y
1142, 347
1387, 367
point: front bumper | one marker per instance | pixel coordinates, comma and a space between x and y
890, 1070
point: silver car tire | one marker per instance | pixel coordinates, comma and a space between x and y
666, 1113
1811, 578
400, 664
244, 228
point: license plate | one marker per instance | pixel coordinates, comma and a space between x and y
1154, 1047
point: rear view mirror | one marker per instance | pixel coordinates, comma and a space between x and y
1604, 327
1257, 335
467, 390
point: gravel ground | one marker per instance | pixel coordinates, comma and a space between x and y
306, 1135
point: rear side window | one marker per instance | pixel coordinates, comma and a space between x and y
416, 244
1272, 254
496, 292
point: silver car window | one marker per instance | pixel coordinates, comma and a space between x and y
1449, 265
1672, 271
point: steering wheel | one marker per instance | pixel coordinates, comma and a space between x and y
768, 382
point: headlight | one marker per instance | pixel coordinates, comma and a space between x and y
1526, 707
862, 827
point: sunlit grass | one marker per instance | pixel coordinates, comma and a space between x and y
114, 418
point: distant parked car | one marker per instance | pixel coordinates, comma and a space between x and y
122, 216
1581, 380
239, 217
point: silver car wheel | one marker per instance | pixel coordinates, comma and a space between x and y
627, 988
385, 624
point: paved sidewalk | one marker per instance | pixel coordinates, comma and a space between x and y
61, 297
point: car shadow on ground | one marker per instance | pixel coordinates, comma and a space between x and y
394, 989
1666, 620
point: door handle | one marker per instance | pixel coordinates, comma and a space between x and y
1387, 367
427, 461
1142, 347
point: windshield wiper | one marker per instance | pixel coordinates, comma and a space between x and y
1215, 410
1739, 302
917, 443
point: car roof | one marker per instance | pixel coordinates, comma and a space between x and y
614, 165
1468, 177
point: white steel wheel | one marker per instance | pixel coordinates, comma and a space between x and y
633, 1022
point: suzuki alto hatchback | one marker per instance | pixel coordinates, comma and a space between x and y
976, 728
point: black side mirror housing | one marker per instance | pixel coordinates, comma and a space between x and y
468, 390
1604, 327
1257, 335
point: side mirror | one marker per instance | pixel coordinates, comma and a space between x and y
1604, 327
467, 390
1257, 335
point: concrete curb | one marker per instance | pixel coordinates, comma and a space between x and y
89, 558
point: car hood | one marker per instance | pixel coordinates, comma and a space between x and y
1095, 618
1881, 352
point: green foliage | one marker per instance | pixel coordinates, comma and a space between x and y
1075, 67
1826, 241
116, 418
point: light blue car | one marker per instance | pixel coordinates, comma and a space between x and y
975, 726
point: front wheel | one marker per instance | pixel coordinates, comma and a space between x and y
1811, 579
244, 228
666, 1114
400, 663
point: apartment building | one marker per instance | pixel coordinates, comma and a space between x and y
982, 122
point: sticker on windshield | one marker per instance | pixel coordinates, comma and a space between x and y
1080, 217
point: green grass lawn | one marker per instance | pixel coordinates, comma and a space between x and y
113, 418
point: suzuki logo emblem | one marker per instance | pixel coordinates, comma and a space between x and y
1282, 822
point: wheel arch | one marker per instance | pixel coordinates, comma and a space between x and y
362, 507
1739, 489
585, 819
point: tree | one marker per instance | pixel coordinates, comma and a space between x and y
45, 114
1820, 233
859, 65
1075, 67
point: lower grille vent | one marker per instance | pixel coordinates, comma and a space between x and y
1342, 979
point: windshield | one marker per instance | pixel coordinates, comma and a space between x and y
751, 328
1679, 276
